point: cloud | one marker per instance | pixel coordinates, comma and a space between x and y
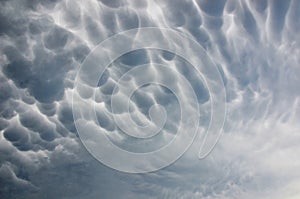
255, 45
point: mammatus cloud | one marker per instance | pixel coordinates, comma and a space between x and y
255, 45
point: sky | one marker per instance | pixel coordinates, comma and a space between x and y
71, 79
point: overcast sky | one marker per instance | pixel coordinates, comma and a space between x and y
254, 45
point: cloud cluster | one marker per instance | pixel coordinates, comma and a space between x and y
255, 45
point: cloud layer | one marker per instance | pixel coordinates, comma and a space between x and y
255, 45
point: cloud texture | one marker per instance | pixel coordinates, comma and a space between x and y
255, 44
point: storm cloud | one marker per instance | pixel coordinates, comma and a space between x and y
255, 45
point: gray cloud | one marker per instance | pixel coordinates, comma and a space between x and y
255, 44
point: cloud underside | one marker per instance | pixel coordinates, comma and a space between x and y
255, 45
